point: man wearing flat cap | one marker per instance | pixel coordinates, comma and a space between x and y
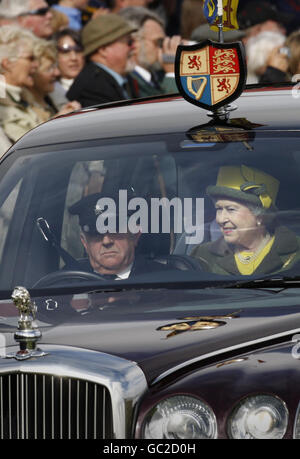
110, 254
107, 46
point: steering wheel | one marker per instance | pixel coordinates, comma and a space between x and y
63, 277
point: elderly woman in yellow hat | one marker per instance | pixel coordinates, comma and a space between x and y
251, 242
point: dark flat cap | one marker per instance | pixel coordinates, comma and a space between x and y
89, 208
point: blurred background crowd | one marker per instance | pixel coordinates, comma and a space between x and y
59, 56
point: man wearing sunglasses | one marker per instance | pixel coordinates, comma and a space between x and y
34, 15
108, 45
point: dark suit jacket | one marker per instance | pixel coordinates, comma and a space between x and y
94, 86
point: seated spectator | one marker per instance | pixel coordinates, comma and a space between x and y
70, 56
34, 15
44, 79
17, 65
260, 52
155, 53
73, 10
107, 46
70, 62
293, 45
284, 62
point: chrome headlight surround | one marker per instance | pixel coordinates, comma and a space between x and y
259, 416
180, 417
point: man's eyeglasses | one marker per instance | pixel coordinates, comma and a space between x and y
65, 49
159, 42
38, 12
127, 40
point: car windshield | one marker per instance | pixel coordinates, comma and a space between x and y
171, 221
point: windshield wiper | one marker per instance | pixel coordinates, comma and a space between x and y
267, 282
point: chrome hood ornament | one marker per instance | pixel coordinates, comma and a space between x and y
27, 333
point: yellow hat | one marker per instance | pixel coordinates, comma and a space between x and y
246, 184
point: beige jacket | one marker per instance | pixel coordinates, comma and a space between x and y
16, 116
4, 142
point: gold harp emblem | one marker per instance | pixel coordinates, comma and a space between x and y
198, 83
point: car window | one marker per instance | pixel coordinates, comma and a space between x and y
165, 179
7, 211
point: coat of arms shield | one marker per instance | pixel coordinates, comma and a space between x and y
210, 74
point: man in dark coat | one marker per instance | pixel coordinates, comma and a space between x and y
112, 254
107, 45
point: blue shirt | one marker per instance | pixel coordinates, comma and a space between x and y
73, 14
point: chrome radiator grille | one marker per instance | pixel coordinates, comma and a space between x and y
45, 406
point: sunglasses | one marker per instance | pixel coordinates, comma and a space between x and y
64, 49
38, 12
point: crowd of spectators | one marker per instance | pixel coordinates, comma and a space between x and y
57, 56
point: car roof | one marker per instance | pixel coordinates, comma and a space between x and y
271, 108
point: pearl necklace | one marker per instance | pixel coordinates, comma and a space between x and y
247, 259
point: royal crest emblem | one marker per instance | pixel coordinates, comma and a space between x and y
210, 74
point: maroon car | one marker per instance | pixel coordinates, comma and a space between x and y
175, 353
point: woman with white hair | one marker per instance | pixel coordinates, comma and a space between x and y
260, 52
44, 80
17, 66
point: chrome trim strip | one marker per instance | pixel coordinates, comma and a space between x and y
52, 407
18, 404
22, 420
61, 406
295, 421
1, 404
86, 410
44, 407
35, 407
220, 352
77, 410
69, 409
124, 380
9, 404
103, 414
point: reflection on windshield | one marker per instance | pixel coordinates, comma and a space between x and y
151, 210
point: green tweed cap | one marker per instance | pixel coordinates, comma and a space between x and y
104, 30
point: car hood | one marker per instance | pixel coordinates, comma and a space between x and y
162, 329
